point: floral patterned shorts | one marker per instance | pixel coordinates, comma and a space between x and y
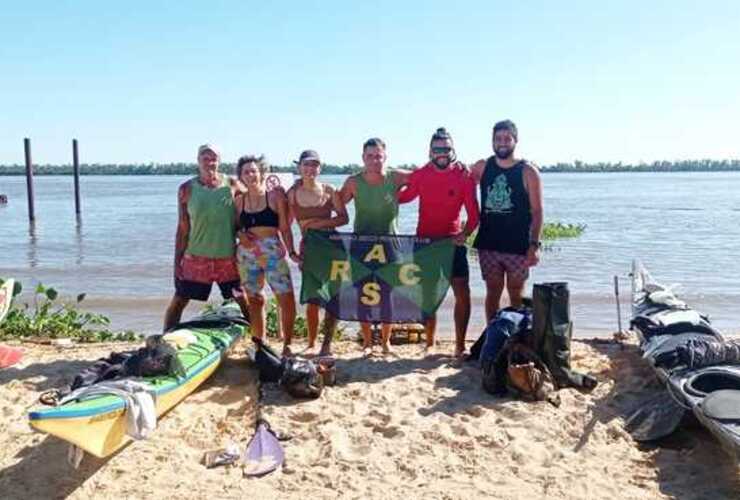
264, 259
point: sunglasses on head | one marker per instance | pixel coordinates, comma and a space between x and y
438, 150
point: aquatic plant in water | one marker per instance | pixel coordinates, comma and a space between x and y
550, 231
558, 230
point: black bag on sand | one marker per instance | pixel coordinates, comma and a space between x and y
552, 331
269, 364
301, 379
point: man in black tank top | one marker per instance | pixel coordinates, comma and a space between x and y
508, 240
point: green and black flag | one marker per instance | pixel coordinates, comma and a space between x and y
389, 279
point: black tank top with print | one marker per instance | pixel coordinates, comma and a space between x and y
505, 214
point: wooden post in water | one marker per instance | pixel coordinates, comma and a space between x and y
619, 309
76, 167
29, 179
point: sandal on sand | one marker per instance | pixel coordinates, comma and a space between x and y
51, 397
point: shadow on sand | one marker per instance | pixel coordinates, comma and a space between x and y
43, 471
53, 374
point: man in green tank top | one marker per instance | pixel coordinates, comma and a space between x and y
205, 242
376, 210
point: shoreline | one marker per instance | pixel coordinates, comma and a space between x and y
405, 427
145, 315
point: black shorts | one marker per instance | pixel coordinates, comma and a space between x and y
460, 267
201, 291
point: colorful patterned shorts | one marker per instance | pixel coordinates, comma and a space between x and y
493, 263
265, 259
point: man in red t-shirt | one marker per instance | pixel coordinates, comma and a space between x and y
444, 186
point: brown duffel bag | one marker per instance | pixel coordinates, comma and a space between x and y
528, 377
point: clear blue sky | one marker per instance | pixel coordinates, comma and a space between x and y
149, 81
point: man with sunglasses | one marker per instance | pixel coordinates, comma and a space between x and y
444, 186
508, 240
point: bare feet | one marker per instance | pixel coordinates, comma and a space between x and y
287, 352
367, 351
325, 351
429, 350
309, 352
458, 359
388, 351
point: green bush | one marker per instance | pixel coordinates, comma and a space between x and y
271, 321
301, 326
50, 319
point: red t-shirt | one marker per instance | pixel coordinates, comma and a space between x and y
442, 193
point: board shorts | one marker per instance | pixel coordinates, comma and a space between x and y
264, 260
460, 268
493, 263
199, 273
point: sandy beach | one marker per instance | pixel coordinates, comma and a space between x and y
393, 427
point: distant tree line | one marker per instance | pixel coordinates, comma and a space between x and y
191, 168
656, 166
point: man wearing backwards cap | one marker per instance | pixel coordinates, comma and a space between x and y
205, 239
444, 186
508, 240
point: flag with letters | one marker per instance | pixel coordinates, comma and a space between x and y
383, 278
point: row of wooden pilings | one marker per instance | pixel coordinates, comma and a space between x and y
29, 177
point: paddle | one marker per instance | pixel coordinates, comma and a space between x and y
264, 452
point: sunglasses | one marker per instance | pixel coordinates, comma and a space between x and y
441, 150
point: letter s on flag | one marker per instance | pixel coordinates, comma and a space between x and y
370, 294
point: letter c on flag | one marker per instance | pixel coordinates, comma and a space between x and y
406, 274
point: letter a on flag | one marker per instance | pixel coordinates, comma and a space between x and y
389, 279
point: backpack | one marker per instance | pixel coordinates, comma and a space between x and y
527, 375
520, 318
157, 357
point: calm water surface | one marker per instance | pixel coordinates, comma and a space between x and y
682, 225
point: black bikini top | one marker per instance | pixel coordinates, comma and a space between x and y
266, 217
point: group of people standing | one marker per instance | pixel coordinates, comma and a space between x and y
236, 232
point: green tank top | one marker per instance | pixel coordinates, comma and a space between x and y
212, 220
376, 207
